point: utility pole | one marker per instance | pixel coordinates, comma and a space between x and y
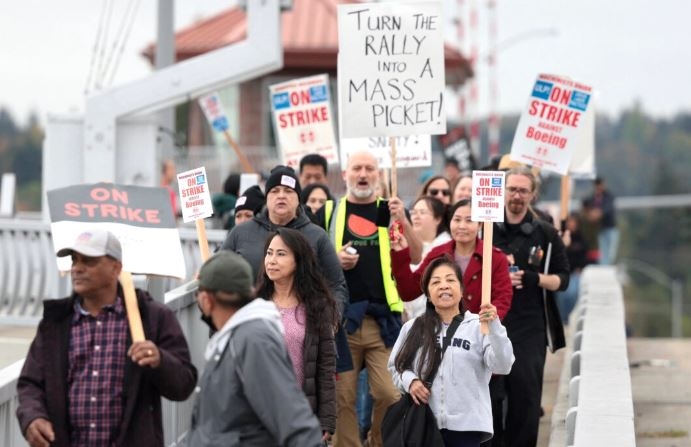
165, 56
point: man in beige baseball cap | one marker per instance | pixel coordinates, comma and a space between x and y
84, 382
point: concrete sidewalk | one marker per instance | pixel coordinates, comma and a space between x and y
661, 388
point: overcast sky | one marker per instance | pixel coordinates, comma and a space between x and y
628, 50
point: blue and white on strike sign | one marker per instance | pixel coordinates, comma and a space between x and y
318, 93
542, 90
281, 101
579, 100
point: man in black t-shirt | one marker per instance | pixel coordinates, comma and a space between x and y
373, 318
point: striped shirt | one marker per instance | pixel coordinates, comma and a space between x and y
95, 380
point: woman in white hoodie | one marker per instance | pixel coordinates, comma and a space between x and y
459, 394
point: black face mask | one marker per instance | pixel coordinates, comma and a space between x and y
207, 320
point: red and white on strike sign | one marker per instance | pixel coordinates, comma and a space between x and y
303, 119
555, 124
487, 200
195, 199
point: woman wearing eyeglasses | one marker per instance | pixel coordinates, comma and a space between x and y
466, 249
439, 187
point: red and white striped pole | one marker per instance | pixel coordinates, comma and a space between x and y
473, 84
460, 34
494, 123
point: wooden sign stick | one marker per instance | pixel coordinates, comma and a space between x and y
565, 197
134, 318
487, 236
394, 175
203, 240
244, 162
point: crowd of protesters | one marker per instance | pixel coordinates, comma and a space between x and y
358, 294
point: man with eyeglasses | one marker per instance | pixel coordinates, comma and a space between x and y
534, 246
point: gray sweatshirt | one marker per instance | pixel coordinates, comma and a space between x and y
459, 397
248, 393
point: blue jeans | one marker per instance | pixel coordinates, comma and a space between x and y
364, 402
608, 241
567, 299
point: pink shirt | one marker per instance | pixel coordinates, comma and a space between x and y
294, 321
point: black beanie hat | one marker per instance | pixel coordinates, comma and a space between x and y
283, 176
252, 199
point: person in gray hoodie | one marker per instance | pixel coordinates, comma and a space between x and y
459, 393
248, 394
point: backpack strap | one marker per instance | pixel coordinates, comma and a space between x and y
450, 331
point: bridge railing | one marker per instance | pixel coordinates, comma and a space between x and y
29, 273
595, 404
176, 415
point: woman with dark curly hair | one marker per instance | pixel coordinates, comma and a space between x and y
291, 279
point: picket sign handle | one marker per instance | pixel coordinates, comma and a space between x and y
203, 240
246, 166
394, 176
564, 202
487, 236
133, 316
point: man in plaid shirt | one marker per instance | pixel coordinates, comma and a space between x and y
84, 383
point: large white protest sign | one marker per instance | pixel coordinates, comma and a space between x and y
583, 160
553, 125
391, 69
303, 119
411, 151
140, 217
487, 196
195, 199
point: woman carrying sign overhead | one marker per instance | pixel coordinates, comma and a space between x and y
459, 391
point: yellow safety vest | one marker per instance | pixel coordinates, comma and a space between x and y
392, 298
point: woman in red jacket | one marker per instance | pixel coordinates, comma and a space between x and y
466, 249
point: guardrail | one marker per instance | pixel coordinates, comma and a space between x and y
176, 415
29, 274
595, 403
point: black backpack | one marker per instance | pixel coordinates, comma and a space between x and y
407, 424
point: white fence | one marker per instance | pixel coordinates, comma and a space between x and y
176, 415
29, 275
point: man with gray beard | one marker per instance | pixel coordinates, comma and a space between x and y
373, 317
